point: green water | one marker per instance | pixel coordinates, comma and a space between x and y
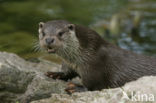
19, 22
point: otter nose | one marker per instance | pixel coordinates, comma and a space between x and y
49, 40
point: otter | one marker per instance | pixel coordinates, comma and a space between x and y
86, 54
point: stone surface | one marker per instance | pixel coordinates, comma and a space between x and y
22, 81
25, 81
141, 91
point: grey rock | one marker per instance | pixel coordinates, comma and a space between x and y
22, 81
142, 90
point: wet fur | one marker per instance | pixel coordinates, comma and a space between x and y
101, 64
108, 66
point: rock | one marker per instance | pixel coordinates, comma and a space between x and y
142, 90
23, 81
104, 96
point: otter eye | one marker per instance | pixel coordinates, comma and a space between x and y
60, 33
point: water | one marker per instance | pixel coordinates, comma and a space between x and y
20, 18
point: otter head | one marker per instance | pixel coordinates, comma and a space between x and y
58, 36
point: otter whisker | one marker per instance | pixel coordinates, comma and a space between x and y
36, 46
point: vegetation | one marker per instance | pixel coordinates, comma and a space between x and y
20, 18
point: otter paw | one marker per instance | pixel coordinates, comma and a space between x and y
55, 75
72, 88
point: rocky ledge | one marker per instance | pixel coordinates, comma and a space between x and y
23, 81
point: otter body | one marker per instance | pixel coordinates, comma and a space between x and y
98, 63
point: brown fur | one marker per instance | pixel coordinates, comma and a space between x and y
101, 64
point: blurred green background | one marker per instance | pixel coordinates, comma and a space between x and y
131, 24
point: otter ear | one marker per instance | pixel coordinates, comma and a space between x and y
40, 27
71, 27
41, 24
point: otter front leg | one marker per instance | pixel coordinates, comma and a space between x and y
57, 75
66, 74
61, 75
